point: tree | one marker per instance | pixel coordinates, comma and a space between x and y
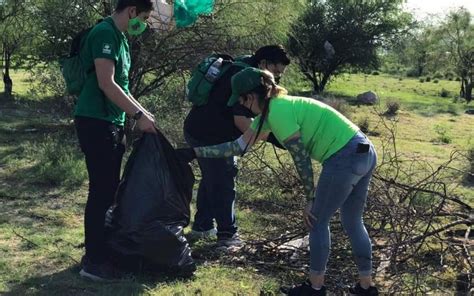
13, 36
457, 39
234, 27
355, 29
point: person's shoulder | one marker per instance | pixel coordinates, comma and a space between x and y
103, 28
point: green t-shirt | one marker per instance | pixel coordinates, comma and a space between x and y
105, 40
323, 129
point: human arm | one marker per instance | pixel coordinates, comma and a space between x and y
304, 168
105, 69
233, 148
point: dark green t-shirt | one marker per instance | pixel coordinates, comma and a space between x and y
106, 41
323, 130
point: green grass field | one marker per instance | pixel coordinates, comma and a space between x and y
43, 191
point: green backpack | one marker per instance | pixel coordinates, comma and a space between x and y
72, 67
206, 74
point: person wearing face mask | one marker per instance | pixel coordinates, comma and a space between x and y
99, 114
218, 122
310, 129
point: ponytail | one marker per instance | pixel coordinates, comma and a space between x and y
265, 92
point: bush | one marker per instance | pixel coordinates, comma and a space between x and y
428, 78
453, 109
392, 107
443, 136
458, 79
59, 162
422, 80
444, 93
412, 73
470, 170
438, 75
364, 124
435, 81
449, 75
375, 73
339, 104
400, 78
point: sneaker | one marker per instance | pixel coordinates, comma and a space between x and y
98, 272
207, 234
305, 289
358, 290
228, 242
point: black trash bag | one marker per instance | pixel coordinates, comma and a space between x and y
152, 208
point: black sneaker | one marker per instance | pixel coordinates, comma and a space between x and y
358, 290
99, 272
229, 242
305, 289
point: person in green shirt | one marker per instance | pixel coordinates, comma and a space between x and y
99, 119
310, 130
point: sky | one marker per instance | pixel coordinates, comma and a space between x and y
424, 7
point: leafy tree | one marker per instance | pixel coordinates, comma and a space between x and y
235, 27
14, 32
355, 29
456, 35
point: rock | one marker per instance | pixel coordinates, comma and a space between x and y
367, 98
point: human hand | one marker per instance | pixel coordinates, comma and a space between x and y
146, 123
308, 217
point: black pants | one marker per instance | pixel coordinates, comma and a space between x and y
103, 146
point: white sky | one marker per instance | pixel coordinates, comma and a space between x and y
424, 7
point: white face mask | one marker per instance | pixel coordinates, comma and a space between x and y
161, 16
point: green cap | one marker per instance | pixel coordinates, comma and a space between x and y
243, 82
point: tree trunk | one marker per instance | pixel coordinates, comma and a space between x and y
468, 95
462, 92
6, 75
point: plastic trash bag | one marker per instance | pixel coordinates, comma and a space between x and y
152, 208
186, 12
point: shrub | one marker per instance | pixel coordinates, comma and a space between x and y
442, 134
444, 93
470, 169
438, 75
400, 78
422, 80
458, 79
59, 162
428, 78
364, 124
339, 105
412, 73
375, 73
453, 109
449, 75
392, 107
435, 81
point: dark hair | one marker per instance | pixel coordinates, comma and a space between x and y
275, 54
141, 5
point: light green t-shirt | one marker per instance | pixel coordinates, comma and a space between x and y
105, 40
323, 129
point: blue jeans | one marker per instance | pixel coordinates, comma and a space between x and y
216, 194
343, 185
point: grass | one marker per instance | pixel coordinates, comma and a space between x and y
43, 191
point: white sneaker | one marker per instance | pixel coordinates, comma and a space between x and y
211, 233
